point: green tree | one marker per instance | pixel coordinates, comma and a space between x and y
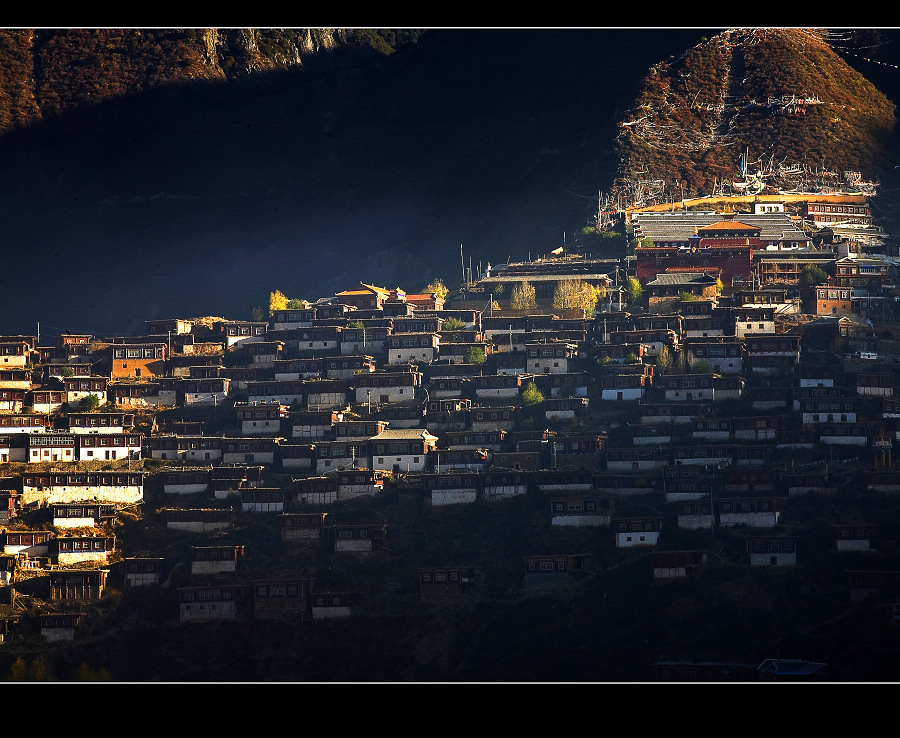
810, 276
701, 366
642, 243
523, 297
89, 403
633, 290
453, 324
613, 238
474, 355
531, 395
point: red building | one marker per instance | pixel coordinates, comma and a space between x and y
723, 249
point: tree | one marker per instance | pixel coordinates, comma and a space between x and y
453, 324
566, 293
522, 297
663, 360
719, 286
34, 671
589, 232
642, 243
578, 294
437, 287
531, 395
86, 674
700, 366
474, 355
277, 301
810, 276
633, 290
18, 671
89, 403
613, 239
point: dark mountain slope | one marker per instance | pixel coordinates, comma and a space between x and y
201, 199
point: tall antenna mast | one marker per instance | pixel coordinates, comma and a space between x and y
463, 261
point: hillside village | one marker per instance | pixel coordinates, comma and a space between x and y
708, 402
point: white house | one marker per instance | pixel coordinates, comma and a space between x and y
772, 550
402, 450
550, 358
632, 532
404, 348
452, 488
